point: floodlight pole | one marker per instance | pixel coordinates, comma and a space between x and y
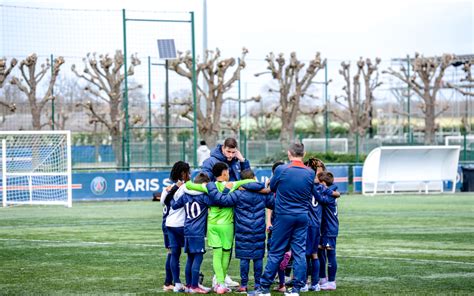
126, 134
150, 155
410, 137
52, 95
204, 28
326, 118
167, 114
240, 109
195, 164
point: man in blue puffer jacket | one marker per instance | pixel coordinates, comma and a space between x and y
229, 154
249, 220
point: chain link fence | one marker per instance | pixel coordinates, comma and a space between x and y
74, 34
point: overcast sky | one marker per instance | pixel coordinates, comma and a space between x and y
339, 29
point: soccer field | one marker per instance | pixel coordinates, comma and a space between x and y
398, 244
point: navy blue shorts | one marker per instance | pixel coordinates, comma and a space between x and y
312, 240
176, 237
165, 237
194, 244
328, 242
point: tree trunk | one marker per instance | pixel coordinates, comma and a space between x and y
210, 136
287, 133
430, 127
35, 117
117, 147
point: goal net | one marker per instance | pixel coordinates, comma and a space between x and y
460, 141
336, 145
36, 167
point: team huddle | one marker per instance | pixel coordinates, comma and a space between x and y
296, 209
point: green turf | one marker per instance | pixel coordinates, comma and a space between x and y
387, 245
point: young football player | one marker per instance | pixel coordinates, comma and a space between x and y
195, 204
249, 220
329, 231
174, 223
314, 225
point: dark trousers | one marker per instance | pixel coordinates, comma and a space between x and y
244, 271
287, 229
193, 265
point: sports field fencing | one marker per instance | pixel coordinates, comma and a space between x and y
152, 137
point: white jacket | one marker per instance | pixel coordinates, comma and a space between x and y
175, 217
203, 153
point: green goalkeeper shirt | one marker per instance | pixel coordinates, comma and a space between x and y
219, 215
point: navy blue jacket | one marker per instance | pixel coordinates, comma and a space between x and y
196, 208
293, 184
330, 222
235, 166
249, 217
315, 209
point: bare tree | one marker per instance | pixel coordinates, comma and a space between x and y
359, 96
426, 81
464, 87
30, 81
467, 82
266, 117
105, 77
214, 70
14, 101
312, 113
5, 70
293, 84
67, 90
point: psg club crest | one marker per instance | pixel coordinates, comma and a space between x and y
98, 185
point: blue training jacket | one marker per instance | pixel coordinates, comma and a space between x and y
315, 209
249, 217
235, 166
293, 184
329, 222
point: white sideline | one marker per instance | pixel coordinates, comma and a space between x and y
79, 242
409, 259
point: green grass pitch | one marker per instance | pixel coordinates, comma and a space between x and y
400, 244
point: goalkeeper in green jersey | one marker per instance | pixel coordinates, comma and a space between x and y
220, 226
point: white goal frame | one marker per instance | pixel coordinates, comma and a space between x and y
458, 139
5, 175
319, 145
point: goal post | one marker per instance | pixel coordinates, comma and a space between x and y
36, 167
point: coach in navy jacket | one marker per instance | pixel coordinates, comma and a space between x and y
229, 154
293, 184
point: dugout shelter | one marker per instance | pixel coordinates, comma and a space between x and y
409, 168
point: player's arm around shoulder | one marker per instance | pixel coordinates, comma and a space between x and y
275, 180
179, 203
224, 198
190, 185
319, 196
269, 200
168, 193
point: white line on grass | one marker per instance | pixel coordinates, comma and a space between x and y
410, 259
79, 242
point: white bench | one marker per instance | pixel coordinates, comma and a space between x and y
409, 168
